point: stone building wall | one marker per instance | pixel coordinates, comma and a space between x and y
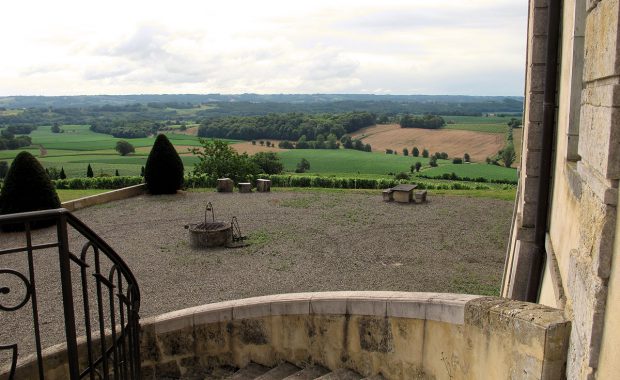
584, 194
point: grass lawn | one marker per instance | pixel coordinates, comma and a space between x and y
68, 195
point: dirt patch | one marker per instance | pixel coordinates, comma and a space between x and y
343, 241
479, 145
249, 148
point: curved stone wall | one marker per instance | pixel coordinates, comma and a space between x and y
396, 334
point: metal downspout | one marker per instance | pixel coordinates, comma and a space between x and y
534, 280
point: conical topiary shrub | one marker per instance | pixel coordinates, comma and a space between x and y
163, 173
27, 188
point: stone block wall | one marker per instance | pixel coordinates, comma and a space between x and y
582, 231
399, 335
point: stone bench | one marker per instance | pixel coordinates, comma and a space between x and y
420, 196
225, 185
388, 195
245, 187
263, 185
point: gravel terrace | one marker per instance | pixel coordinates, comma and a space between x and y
301, 242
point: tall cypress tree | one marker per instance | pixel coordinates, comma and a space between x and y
89, 172
27, 188
163, 173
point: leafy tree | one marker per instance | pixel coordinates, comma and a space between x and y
163, 172
415, 152
302, 143
268, 143
56, 128
433, 161
514, 123
508, 155
457, 160
389, 151
4, 169
405, 152
367, 148
253, 142
418, 165
425, 153
401, 175
466, 157
62, 174
262, 143
124, 148
331, 142
218, 160
89, 172
27, 188
302, 166
268, 162
116, 173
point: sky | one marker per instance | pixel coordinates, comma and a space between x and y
67, 47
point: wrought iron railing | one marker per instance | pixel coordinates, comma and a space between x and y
100, 299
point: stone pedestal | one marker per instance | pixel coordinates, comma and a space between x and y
225, 185
245, 187
388, 196
263, 185
420, 196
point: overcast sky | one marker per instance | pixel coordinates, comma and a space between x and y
66, 47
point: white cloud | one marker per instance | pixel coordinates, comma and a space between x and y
392, 46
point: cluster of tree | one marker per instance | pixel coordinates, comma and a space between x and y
255, 104
514, 123
289, 126
9, 141
217, 159
507, 155
425, 121
416, 167
320, 143
350, 143
126, 129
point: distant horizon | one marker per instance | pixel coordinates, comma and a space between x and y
261, 94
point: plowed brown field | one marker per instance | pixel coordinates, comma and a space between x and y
479, 145
247, 147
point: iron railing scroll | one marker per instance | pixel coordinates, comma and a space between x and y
100, 297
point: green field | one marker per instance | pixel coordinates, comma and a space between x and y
78, 147
327, 161
491, 172
490, 124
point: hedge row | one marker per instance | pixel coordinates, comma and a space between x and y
277, 180
455, 177
97, 182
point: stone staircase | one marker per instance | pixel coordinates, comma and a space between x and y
284, 371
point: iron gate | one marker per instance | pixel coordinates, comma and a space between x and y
104, 309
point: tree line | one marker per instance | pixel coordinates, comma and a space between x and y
289, 126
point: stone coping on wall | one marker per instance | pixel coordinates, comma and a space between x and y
109, 196
441, 307
488, 336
